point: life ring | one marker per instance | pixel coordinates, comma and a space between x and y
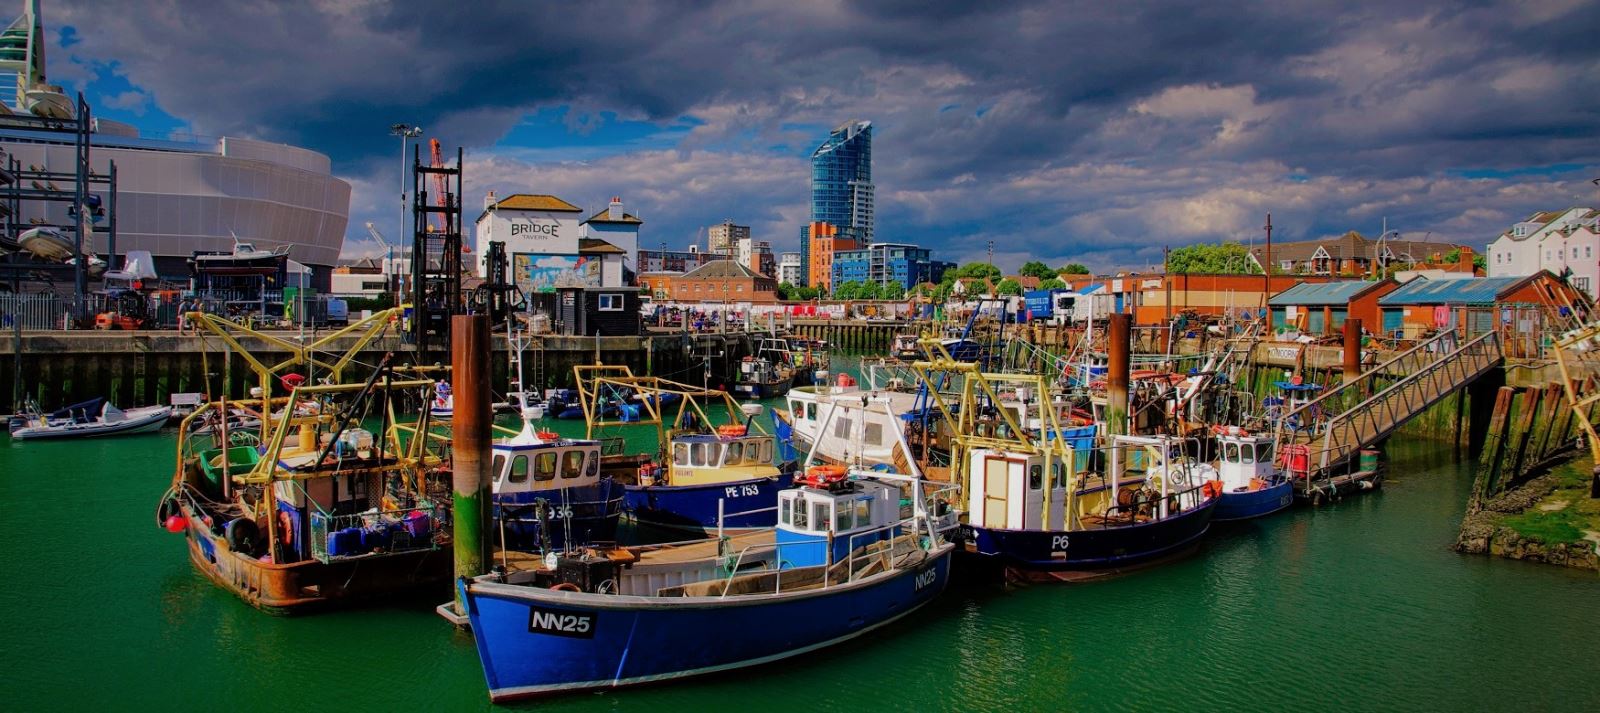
565, 587
826, 470
732, 430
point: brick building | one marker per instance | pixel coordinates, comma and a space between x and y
714, 282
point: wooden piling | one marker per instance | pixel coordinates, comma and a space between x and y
470, 433
1527, 415
1494, 448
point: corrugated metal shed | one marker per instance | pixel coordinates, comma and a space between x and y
1476, 291
1322, 293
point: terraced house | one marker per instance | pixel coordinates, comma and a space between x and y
1565, 242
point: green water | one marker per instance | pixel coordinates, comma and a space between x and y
1359, 606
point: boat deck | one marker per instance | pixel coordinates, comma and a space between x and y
515, 561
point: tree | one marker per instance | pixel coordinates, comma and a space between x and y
1453, 257
892, 291
1034, 268
1074, 268
1223, 259
1480, 263
1008, 286
977, 270
1053, 283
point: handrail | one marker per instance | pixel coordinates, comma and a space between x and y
1372, 373
1475, 349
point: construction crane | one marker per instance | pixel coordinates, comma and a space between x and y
441, 186
389, 271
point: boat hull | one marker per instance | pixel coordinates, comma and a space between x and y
1095, 550
757, 390
747, 504
589, 513
146, 420
1254, 503
630, 640
310, 585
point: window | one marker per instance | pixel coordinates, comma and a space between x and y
800, 514
519, 469
874, 433
734, 454
1264, 453
499, 466
1035, 477
842, 519
700, 455
571, 464
1582, 283
863, 512
373, 285
784, 509
819, 515
680, 454
1057, 474
610, 303
1247, 454
594, 465
1588, 251
766, 450
544, 466
811, 412
841, 428
1230, 452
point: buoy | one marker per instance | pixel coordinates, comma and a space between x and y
176, 523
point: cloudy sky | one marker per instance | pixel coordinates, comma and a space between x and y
1092, 132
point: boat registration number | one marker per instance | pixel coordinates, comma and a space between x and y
577, 625
926, 578
1058, 543
737, 491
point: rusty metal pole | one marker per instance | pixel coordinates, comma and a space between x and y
1352, 350
1117, 368
470, 429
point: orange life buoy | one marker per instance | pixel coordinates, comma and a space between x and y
731, 430
565, 587
1212, 488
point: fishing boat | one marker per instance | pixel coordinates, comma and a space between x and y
245, 259
45, 243
322, 511
844, 559
761, 377
905, 347
443, 405
705, 474
1252, 484
549, 493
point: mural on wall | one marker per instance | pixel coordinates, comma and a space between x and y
537, 272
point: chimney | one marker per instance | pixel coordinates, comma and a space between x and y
614, 212
489, 201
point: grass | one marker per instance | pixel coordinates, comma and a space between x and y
1567, 525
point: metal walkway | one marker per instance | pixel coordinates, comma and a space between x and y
1365, 410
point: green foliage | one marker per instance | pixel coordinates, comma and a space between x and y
1075, 268
1453, 257
1008, 286
378, 303
1480, 262
1053, 283
1204, 259
1034, 268
790, 292
977, 270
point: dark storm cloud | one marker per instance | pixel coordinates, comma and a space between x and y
1086, 126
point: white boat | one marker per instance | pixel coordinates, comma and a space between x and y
49, 101
93, 265
47, 243
244, 260
89, 419
444, 402
868, 430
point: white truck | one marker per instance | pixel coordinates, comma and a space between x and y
1076, 308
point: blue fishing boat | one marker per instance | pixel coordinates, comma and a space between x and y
843, 560
1252, 484
760, 377
549, 493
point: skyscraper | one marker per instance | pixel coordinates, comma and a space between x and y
841, 187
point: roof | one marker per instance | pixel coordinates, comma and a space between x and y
1476, 291
604, 216
536, 201
596, 246
1352, 245
1323, 293
720, 269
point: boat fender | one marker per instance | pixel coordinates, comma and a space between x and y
168, 509
242, 535
565, 587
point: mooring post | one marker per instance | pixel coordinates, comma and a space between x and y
1117, 367
1494, 448
470, 435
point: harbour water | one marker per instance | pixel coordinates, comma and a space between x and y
1357, 606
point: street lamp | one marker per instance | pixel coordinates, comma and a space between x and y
404, 131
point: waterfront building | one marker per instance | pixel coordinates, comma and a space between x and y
886, 263
1352, 255
1474, 305
1147, 296
615, 226
182, 195
756, 255
789, 268
723, 238
362, 277
547, 244
823, 243
718, 281
1322, 308
678, 261
841, 190
1562, 241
